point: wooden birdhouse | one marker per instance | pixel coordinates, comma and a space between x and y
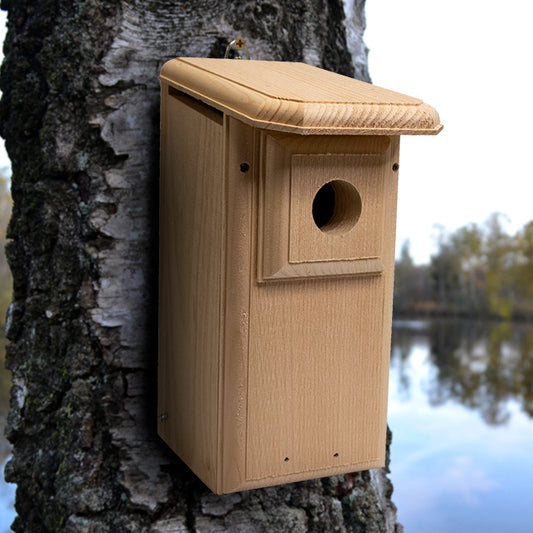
277, 225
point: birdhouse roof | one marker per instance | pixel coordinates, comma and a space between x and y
299, 98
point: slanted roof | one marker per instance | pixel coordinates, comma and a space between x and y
299, 98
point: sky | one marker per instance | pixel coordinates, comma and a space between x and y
4, 160
471, 60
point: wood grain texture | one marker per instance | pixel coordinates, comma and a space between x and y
262, 383
314, 377
309, 173
191, 270
290, 244
299, 98
306, 361
319, 348
241, 147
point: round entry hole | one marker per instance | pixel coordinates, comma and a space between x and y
336, 207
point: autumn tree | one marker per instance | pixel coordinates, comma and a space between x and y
412, 287
478, 270
523, 269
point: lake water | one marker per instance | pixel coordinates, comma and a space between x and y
7, 490
460, 409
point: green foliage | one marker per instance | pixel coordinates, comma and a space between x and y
411, 281
5, 274
476, 271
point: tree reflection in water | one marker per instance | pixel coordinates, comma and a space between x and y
478, 364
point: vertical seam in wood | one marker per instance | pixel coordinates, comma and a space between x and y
255, 227
161, 402
222, 308
259, 178
390, 182
290, 214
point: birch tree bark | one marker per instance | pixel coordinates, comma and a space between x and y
80, 117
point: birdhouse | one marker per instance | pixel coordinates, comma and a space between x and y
277, 227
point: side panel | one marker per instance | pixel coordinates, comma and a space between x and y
191, 273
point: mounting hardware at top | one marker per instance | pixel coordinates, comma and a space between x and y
237, 44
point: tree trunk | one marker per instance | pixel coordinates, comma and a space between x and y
80, 118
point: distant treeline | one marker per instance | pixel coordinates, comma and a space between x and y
477, 271
5, 274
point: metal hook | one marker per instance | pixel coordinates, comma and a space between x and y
237, 44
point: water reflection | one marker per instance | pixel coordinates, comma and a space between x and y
481, 365
461, 414
7, 490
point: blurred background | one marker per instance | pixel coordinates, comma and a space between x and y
471, 61
7, 491
461, 381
